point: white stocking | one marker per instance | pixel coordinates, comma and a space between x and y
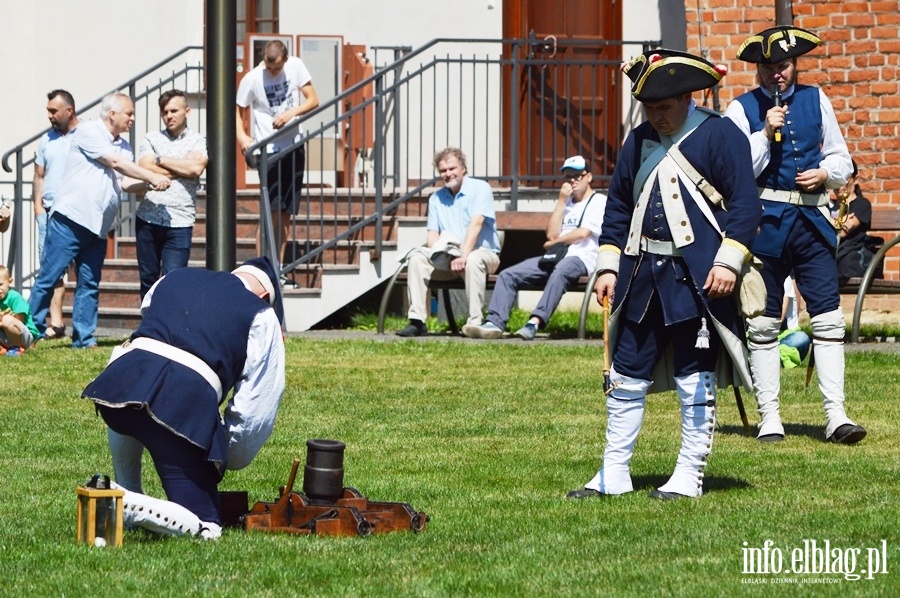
765, 367
164, 517
126, 454
828, 350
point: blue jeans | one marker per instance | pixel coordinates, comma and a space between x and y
160, 249
42, 220
564, 276
67, 241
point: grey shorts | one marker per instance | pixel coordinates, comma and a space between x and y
27, 338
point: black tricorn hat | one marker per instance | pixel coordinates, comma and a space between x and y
661, 74
262, 269
778, 44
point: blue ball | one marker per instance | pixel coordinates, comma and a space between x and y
800, 341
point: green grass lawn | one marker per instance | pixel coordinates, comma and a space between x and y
486, 438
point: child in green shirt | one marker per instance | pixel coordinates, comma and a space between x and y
17, 329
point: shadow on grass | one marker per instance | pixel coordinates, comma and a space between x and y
812, 432
710, 483
67, 343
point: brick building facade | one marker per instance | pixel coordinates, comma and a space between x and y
858, 67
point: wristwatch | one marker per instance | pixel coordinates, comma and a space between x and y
158, 158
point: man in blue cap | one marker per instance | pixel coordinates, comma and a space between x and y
203, 334
669, 257
798, 154
574, 223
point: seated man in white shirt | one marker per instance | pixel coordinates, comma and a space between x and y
575, 222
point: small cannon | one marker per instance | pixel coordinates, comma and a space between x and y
326, 507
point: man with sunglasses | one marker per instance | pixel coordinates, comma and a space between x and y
575, 222
798, 154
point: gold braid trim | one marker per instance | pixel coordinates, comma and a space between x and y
677, 60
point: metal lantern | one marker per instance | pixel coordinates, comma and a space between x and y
98, 520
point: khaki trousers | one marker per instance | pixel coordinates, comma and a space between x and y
479, 264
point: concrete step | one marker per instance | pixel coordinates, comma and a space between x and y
343, 253
308, 227
125, 318
245, 225
245, 249
245, 202
123, 289
323, 215
353, 202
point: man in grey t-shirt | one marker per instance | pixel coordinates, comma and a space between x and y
164, 222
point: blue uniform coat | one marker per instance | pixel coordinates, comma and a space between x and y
182, 315
721, 154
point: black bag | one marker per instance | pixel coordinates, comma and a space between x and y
556, 252
552, 256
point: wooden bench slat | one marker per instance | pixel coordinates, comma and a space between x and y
878, 286
459, 283
885, 220
508, 220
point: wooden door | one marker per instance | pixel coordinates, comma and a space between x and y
568, 91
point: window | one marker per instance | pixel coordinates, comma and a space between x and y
256, 16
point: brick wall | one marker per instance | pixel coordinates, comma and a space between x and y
858, 67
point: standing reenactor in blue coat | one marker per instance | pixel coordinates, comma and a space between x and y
799, 154
672, 255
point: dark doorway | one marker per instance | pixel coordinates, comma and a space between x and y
569, 104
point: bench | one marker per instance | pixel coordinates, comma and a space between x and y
524, 237
883, 221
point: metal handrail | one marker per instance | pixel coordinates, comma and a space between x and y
369, 119
513, 57
85, 108
865, 284
15, 260
379, 74
335, 101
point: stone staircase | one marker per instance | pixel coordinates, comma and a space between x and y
337, 277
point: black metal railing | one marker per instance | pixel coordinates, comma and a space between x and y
20, 253
562, 102
517, 108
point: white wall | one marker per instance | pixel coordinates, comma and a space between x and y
394, 22
86, 47
637, 26
90, 46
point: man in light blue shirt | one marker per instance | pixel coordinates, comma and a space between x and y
49, 165
99, 167
462, 241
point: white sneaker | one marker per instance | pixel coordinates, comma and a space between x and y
488, 330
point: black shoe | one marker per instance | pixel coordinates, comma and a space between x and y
585, 493
848, 434
55, 332
661, 495
415, 328
287, 283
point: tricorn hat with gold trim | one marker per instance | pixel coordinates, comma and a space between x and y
777, 45
661, 74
